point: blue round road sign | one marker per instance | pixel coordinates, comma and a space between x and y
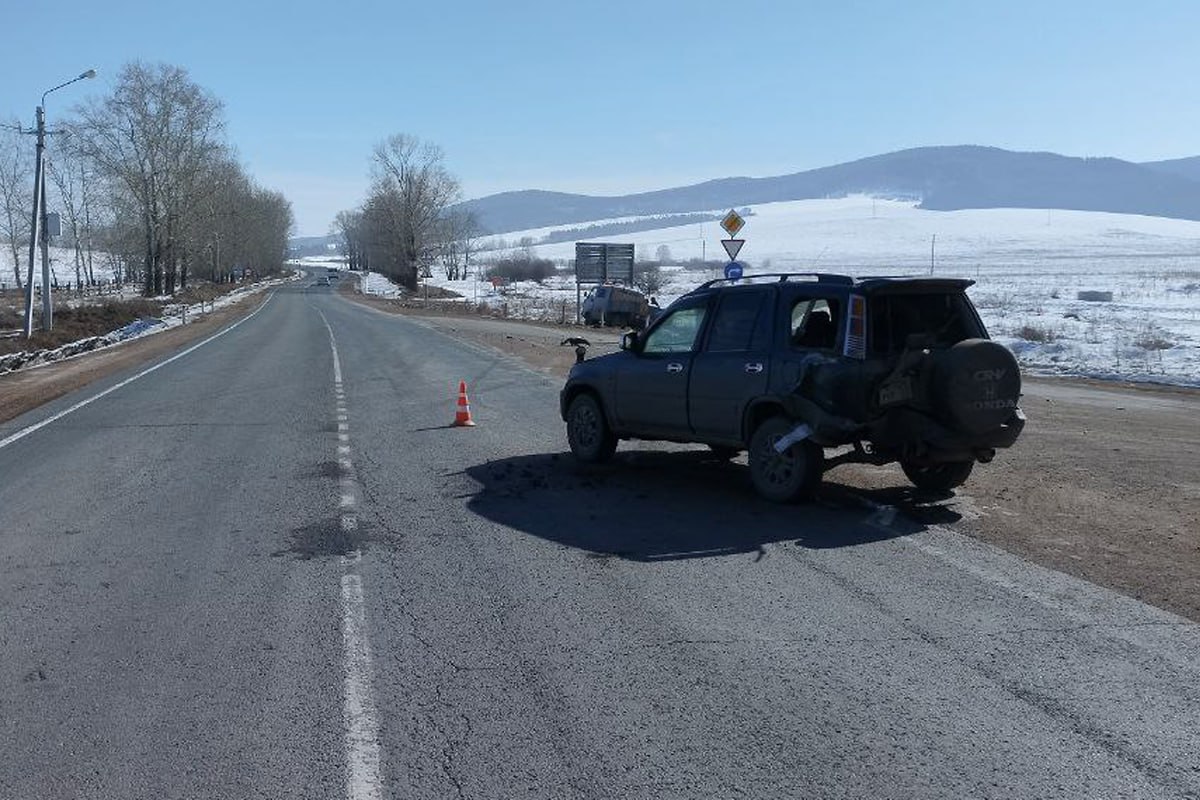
733, 270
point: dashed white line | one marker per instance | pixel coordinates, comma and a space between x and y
360, 718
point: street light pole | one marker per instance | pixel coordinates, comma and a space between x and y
35, 225
38, 234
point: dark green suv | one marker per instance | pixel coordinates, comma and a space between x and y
786, 366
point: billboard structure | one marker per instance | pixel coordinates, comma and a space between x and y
597, 263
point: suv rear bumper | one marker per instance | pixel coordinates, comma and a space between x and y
912, 433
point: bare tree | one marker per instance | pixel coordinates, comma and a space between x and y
68, 170
410, 191
152, 138
349, 226
459, 240
16, 194
647, 277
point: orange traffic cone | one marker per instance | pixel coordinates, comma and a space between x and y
462, 418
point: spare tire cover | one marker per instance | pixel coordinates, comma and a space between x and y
976, 385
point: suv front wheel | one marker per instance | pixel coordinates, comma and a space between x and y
588, 433
788, 476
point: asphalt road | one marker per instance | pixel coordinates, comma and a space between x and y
263, 570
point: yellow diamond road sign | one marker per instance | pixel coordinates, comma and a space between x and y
732, 223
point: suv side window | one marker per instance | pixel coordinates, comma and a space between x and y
677, 333
814, 323
736, 322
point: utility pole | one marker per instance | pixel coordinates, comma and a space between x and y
36, 223
37, 226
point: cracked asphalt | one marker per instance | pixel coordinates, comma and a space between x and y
171, 557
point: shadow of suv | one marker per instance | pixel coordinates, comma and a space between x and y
788, 365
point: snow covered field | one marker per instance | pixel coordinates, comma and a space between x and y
62, 267
1029, 267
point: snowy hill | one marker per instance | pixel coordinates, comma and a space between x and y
940, 178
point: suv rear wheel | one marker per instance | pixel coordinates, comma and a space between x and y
788, 476
938, 477
588, 433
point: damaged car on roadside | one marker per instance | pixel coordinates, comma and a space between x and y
805, 372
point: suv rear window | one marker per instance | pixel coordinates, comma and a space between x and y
946, 317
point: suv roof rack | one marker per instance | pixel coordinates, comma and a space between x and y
780, 277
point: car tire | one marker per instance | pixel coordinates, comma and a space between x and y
722, 452
788, 476
590, 438
938, 477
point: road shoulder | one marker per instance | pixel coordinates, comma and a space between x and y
27, 389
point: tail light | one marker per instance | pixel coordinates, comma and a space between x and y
856, 328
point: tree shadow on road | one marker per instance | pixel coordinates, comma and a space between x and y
654, 505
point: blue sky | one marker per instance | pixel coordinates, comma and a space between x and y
624, 96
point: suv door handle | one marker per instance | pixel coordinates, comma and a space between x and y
674, 367
754, 368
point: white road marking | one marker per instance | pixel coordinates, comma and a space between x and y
359, 715
21, 434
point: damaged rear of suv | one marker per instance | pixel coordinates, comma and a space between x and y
877, 370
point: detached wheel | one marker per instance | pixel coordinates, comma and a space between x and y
938, 477
788, 476
587, 431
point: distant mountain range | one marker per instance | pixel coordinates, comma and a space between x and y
939, 178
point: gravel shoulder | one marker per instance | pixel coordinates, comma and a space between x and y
1103, 485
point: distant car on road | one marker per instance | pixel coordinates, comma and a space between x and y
615, 305
788, 365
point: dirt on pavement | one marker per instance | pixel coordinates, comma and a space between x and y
1104, 483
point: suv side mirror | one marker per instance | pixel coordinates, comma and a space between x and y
629, 341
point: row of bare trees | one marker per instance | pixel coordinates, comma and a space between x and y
410, 223
145, 179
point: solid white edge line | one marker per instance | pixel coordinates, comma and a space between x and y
21, 434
